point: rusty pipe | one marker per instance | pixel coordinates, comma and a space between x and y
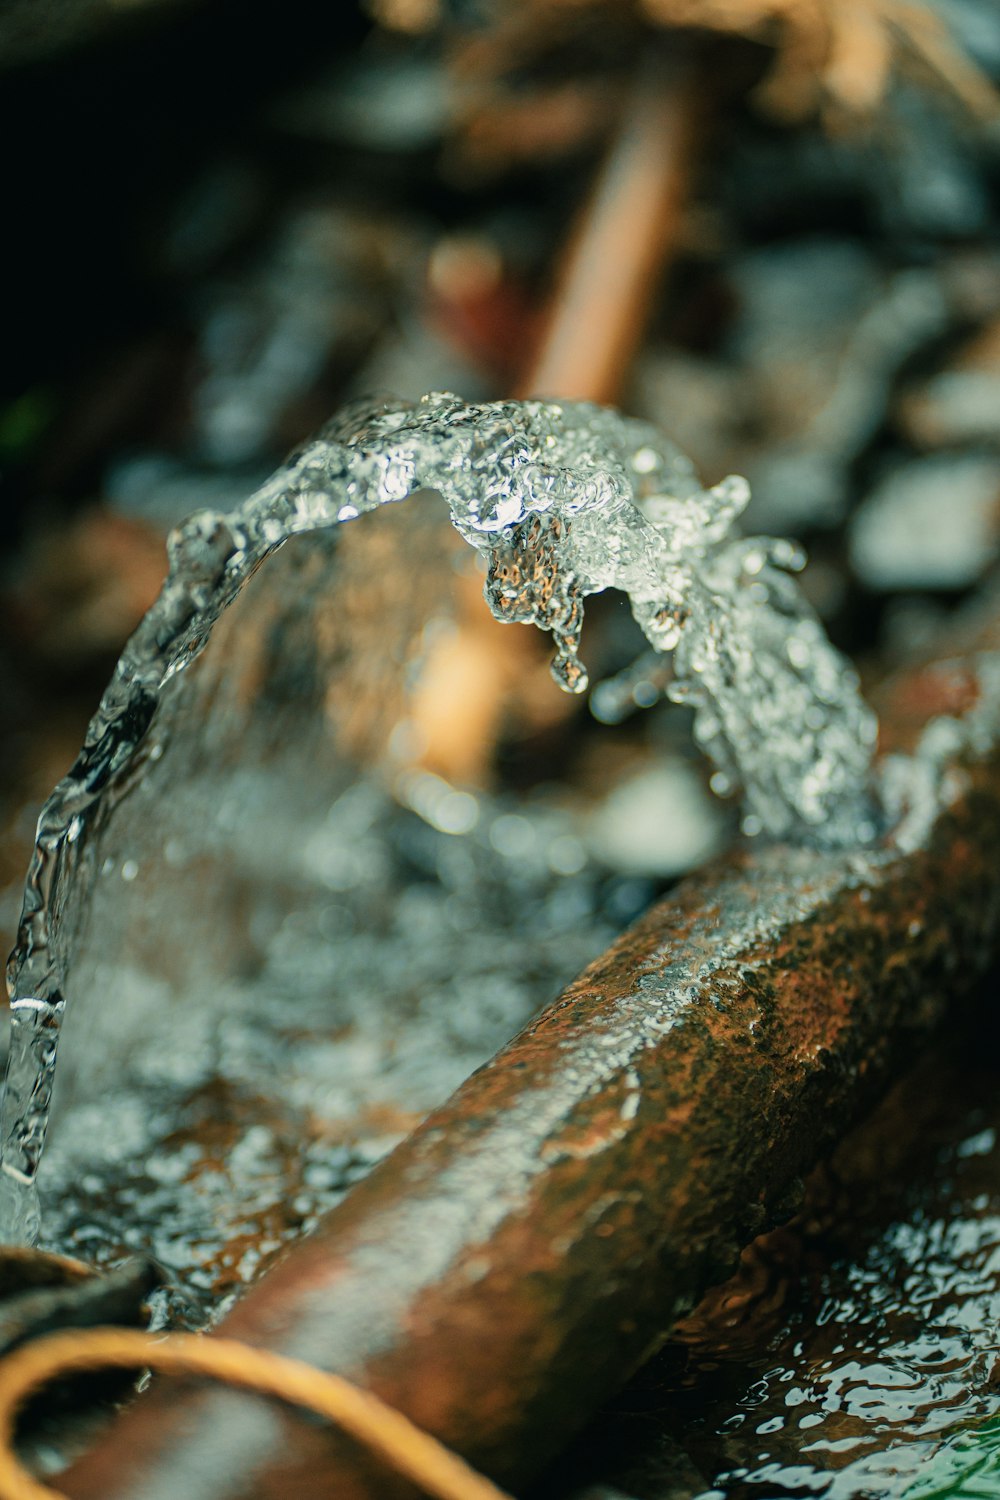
532, 1243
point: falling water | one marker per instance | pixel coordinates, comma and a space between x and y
561, 501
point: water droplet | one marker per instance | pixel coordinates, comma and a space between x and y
555, 499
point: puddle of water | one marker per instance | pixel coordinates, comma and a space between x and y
853, 1356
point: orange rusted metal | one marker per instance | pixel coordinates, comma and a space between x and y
513, 1261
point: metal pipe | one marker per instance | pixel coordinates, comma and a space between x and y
514, 1261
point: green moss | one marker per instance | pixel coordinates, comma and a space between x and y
966, 1467
24, 420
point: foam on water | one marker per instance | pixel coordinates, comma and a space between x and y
562, 501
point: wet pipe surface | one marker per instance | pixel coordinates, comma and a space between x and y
853, 1352
519, 1256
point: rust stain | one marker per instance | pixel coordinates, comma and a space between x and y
578, 1193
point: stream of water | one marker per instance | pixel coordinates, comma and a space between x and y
562, 502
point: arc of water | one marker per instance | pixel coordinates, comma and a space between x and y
563, 501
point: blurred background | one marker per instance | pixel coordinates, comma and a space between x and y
224, 220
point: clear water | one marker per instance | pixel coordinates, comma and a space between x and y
269, 966
561, 502
209, 1130
854, 1354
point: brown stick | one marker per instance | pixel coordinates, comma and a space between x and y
613, 265
626, 232
515, 1260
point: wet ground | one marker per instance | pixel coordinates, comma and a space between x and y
853, 1355
207, 1127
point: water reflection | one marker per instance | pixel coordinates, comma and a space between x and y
852, 1356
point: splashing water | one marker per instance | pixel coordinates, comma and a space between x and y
562, 501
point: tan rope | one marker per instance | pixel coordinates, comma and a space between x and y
414, 1453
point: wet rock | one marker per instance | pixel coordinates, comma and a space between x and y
160, 490
702, 403
798, 387
391, 100
40, 1292
961, 403
315, 295
660, 821
820, 367
932, 523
